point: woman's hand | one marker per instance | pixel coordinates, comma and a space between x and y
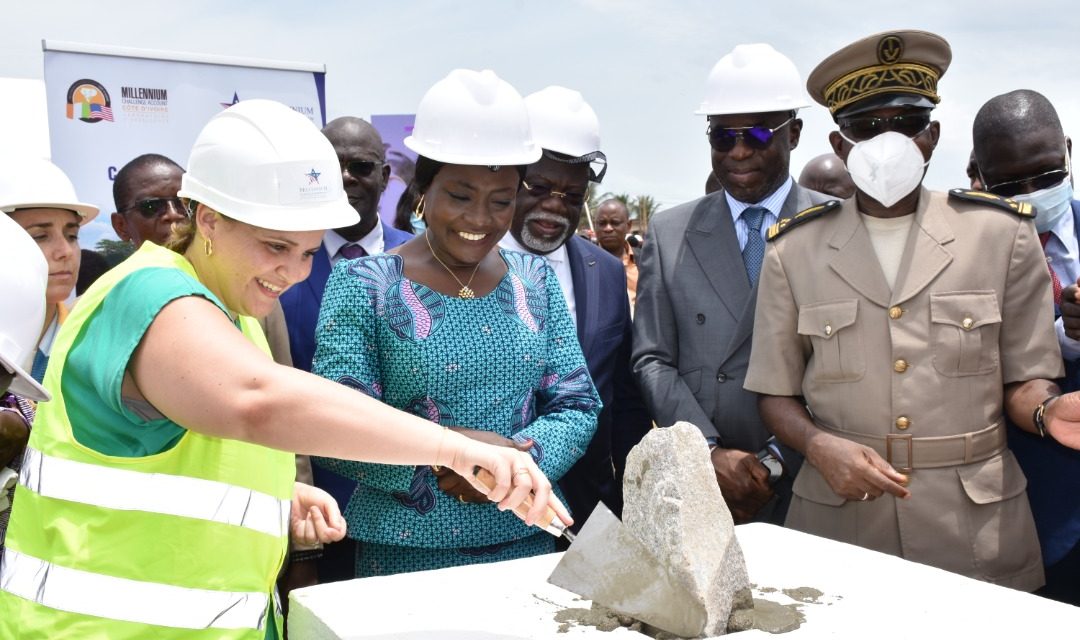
315, 517
516, 476
458, 487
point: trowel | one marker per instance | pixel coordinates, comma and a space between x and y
608, 565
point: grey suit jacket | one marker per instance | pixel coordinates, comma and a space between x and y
695, 317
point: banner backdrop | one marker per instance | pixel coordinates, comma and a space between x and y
394, 129
107, 105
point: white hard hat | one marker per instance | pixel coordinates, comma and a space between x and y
36, 183
753, 78
475, 118
563, 122
24, 274
262, 163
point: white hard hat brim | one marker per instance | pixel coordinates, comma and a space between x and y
87, 212
526, 156
319, 217
709, 109
24, 384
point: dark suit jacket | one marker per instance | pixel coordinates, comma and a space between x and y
605, 333
694, 319
301, 302
301, 306
1053, 472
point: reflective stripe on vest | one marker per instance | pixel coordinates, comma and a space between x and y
186, 542
169, 495
94, 594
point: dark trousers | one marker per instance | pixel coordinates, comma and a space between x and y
1063, 579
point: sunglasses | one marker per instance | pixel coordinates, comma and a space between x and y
756, 137
361, 168
156, 207
908, 124
1044, 180
543, 193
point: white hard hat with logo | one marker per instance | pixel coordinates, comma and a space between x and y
473, 118
24, 275
36, 183
563, 122
753, 78
262, 163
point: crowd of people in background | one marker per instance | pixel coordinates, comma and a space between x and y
867, 360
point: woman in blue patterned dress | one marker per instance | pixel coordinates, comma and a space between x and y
448, 329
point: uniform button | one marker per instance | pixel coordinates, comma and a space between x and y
701, 318
902, 423
828, 329
900, 366
967, 324
721, 377
895, 312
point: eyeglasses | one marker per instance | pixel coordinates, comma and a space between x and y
908, 124
361, 168
1044, 180
756, 137
156, 207
543, 193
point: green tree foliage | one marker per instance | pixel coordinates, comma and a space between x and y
114, 251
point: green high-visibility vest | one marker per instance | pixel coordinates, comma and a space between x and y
186, 543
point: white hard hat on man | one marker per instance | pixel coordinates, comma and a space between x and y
563, 123
753, 78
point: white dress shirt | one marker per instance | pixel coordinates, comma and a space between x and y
773, 202
373, 243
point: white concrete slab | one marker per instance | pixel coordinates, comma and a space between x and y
865, 594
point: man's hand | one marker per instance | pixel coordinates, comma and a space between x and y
458, 487
1070, 311
1062, 419
743, 480
13, 436
853, 471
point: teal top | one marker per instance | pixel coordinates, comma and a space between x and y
508, 362
94, 373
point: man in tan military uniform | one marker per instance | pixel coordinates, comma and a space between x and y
908, 331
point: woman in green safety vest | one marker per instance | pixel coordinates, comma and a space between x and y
157, 491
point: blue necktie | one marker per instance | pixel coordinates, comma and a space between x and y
754, 251
352, 251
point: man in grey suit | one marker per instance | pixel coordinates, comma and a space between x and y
697, 279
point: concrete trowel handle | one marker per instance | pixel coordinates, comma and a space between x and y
548, 522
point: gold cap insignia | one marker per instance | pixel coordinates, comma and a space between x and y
890, 49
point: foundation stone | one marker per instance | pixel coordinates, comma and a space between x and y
673, 506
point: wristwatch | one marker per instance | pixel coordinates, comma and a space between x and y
1039, 416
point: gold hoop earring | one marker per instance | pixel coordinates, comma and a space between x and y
419, 210
208, 247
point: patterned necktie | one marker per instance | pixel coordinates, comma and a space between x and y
754, 251
352, 251
1044, 238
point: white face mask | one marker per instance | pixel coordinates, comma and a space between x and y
886, 167
1050, 204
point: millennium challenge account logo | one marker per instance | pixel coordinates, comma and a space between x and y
88, 101
144, 105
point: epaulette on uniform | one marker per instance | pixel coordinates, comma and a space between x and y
1022, 209
806, 215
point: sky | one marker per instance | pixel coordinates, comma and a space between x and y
641, 65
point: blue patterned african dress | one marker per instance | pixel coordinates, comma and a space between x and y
508, 362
